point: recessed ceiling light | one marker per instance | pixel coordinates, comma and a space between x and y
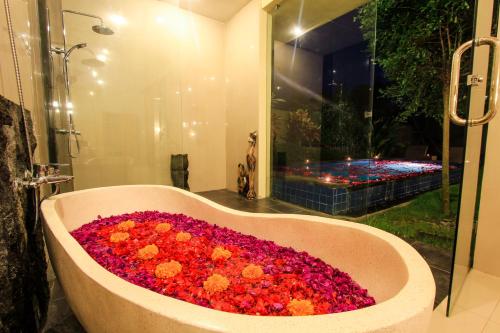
297, 31
101, 57
117, 19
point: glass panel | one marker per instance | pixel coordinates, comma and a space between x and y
321, 107
143, 96
363, 140
486, 24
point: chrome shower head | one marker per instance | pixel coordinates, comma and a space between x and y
74, 47
102, 29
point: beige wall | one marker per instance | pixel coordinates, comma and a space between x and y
173, 82
242, 86
25, 27
20, 18
162, 93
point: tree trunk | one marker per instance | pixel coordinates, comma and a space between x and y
445, 190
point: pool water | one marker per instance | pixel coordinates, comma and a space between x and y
357, 172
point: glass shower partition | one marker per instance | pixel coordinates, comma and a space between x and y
138, 95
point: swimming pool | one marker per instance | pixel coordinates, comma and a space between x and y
355, 186
360, 172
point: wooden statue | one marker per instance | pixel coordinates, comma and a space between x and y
251, 164
242, 180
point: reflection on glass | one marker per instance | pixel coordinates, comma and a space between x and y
357, 131
321, 115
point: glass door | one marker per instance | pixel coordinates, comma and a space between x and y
482, 83
360, 126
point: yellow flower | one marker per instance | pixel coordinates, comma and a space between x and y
148, 252
252, 272
220, 253
118, 237
168, 269
163, 227
183, 236
126, 225
300, 308
215, 283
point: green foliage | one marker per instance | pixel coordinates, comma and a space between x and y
413, 42
420, 220
345, 130
302, 129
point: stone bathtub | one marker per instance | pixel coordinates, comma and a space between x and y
392, 271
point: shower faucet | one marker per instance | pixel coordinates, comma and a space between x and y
44, 174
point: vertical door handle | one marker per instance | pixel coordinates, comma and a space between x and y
494, 84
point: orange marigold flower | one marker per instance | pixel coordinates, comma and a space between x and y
163, 227
118, 237
148, 252
220, 253
215, 283
126, 225
252, 272
168, 269
300, 307
183, 236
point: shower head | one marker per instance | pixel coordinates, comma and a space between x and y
102, 29
74, 47
98, 28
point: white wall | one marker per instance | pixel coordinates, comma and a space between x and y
25, 26
242, 67
162, 93
173, 82
8, 88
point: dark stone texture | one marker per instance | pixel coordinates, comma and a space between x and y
24, 290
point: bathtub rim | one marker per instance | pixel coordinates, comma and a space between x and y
419, 288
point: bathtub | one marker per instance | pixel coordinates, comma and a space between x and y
392, 271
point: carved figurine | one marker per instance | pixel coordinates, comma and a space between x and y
251, 164
242, 180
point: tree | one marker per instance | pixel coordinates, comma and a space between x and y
302, 128
413, 42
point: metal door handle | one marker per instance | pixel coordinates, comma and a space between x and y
494, 85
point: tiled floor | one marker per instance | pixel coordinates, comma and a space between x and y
477, 308
61, 319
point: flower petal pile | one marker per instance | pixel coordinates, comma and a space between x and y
364, 172
215, 267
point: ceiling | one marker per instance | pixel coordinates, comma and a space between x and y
335, 35
220, 10
308, 15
